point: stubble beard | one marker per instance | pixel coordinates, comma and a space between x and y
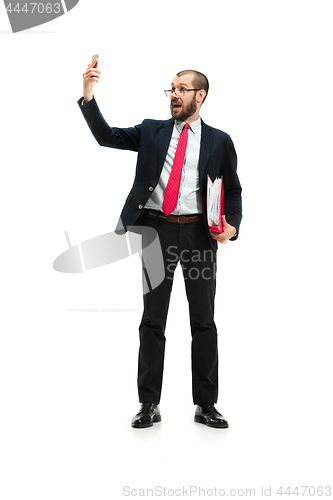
187, 112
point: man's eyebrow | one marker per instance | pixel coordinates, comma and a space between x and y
181, 84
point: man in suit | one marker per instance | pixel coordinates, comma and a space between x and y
175, 157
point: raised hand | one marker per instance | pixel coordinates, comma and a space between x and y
90, 76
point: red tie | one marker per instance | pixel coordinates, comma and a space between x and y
172, 189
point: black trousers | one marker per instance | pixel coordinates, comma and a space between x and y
188, 244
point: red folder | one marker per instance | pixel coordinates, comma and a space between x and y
216, 225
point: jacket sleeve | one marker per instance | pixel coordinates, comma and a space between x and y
232, 188
112, 137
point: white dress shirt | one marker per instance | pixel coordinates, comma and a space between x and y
189, 200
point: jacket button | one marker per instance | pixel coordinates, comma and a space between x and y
151, 188
140, 206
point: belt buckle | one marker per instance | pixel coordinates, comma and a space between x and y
179, 219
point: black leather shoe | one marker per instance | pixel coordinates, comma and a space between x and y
208, 415
147, 416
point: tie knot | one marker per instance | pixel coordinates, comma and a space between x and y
186, 126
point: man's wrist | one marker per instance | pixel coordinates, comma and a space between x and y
86, 98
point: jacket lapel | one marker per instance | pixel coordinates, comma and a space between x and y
205, 145
164, 138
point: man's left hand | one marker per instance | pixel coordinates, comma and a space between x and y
228, 232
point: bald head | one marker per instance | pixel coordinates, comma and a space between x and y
200, 81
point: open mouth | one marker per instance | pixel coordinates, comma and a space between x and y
176, 106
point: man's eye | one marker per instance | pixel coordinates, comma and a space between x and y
182, 90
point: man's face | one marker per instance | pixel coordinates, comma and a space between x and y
183, 106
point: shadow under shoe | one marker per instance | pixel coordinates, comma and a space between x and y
147, 416
207, 414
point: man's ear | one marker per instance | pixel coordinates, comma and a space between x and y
201, 95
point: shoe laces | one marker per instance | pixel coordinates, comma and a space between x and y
146, 407
211, 410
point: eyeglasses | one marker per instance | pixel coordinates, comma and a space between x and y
181, 91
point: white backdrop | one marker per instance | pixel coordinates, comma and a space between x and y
69, 342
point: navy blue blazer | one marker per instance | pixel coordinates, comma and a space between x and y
151, 140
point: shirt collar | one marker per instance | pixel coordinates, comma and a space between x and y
195, 126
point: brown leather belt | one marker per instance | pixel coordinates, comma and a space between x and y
181, 219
